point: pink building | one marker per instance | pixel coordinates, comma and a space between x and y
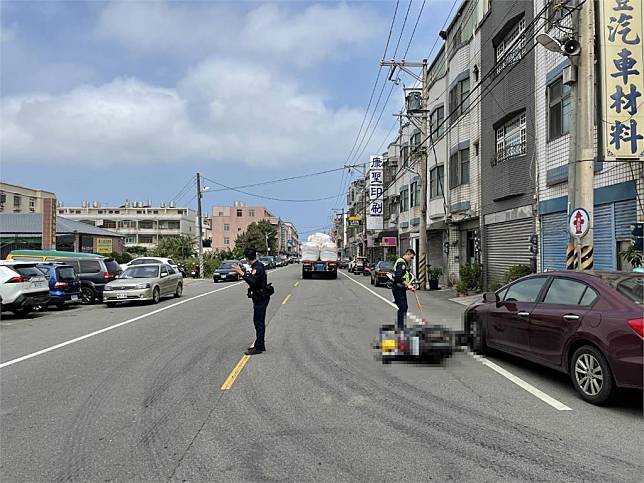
230, 221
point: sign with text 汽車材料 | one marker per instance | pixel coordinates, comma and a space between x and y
622, 62
376, 187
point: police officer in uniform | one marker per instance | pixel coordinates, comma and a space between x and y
402, 282
260, 292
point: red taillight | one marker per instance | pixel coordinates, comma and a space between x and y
61, 285
17, 280
637, 325
381, 274
107, 275
401, 344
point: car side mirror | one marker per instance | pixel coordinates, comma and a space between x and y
490, 297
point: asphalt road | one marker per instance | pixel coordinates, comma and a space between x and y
144, 400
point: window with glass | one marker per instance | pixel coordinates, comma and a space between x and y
436, 125
459, 168
404, 199
569, 292
226, 227
559, 109
17, 200
109, 224
459, 99
511, 139
226, 241
251, 213
525, 291
414, 193
145, 239
436, 180
510, 50
240, 212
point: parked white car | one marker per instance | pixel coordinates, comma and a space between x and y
151, 260
22, 287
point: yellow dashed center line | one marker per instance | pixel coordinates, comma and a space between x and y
230, 380
286, 299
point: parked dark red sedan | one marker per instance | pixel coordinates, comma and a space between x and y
587, 324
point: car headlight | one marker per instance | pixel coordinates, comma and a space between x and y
107, 288
142, 285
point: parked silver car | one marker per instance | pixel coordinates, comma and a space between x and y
144, 283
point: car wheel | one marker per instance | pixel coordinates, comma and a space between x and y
591, 375
179, 290
110, 305
156, 295
214, 280
476, 337
22, 312
88, 296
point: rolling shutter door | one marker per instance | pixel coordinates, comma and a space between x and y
554, 240
507, 244
625, 216
604, 246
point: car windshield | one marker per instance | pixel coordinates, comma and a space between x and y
66, 273
112, 266
28, 271
226, 266
141, 272
386, 266
631, 287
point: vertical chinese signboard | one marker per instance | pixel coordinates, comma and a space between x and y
622, 61
375, 208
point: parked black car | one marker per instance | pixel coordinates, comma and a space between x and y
94, 274
225, 272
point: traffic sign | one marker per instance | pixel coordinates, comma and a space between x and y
579, 222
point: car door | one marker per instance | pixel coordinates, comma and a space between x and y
558, 316
508, 322
91, 270
165, 280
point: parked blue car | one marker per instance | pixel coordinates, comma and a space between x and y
64, 286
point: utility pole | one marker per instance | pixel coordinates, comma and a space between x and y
580, 187
422, 79
199, 227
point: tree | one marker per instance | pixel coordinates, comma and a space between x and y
180, 247
258, 235
137, 250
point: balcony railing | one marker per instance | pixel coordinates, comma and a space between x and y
509, 152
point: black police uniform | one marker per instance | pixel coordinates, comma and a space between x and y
257, 282
401, 275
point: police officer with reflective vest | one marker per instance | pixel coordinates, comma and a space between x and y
260, 291
402, 282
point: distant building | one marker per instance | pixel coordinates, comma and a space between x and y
19, 199
22, 231
230, 221
138, 222
289, 239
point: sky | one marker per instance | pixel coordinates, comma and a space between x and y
119, 100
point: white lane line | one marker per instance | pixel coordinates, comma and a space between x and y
495, 367
112, 327
521, 383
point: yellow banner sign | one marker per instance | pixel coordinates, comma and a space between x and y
355, 218
104, 245
622, 61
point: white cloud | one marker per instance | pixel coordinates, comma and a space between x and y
237, 103
221, 110
268, 32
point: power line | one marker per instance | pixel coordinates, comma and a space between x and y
183, 190
411, 37
281, 180
269, 197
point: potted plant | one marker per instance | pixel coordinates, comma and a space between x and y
434, 275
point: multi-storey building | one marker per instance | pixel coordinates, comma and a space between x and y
139, 222
356, 207
617, 185
289, 239
230, 221
507, 139
19, 199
